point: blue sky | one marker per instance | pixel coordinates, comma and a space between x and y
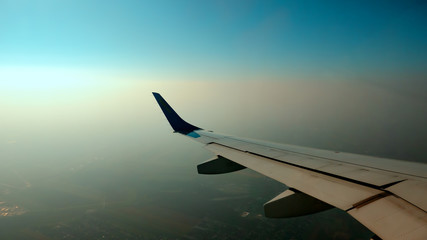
376, 52
282, 38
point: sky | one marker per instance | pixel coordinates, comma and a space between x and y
238, 39
314, 70
322, 73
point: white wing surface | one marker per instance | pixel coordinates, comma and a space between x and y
387, 196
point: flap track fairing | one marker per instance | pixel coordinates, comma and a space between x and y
293, 203
218, 165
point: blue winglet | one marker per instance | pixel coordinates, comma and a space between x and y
177, 123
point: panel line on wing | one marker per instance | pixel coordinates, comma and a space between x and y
369, 200
339, 193
240, 145
306, 168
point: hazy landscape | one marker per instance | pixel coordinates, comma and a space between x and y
108, 166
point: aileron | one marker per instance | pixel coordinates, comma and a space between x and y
392, 218
413, 191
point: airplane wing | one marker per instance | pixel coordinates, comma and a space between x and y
387, 196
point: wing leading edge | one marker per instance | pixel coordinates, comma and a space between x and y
387, 196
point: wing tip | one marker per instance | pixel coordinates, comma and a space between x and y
176, 122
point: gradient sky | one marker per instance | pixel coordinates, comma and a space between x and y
330, 69
282, 39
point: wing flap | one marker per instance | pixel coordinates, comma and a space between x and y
413, 191
392, 218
